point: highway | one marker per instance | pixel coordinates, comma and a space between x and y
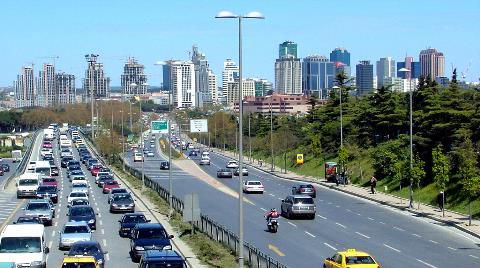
395, 238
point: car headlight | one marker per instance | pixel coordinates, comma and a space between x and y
168, 247
91, 221
139, 248
114, 205
131, 205
100, 261
35, 264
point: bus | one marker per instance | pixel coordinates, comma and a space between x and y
43, 167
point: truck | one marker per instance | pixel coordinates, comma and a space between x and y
16, 156
48, 134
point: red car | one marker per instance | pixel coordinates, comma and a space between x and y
1, 171
109, 185
50, 181
47, 144
95, 169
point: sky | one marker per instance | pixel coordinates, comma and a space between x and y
157, 30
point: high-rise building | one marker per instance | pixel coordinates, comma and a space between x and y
341, 58
25, 90
65, 90
229, 74
95, 80
46, 95
318, 76
203, 93
212, 86
364, 77
385, 69
287, 49
288, 76
262, 87
179, 79
432, 63
410, 64
133, 72
395, 83
248, 90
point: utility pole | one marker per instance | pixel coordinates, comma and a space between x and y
271, 131
249, 138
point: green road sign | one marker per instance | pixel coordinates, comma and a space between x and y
160, 126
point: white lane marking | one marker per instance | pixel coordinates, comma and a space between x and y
329, 203
398, 228
318, 215
366, 236
392, 248
99, 215
263, 209
56, 224
96, 204
101, 222
381, 222
310, 234
102, 231
339, 224
328, 245
279, 198
473, 256
271, 195
104, 242
321, 200
107, 257
358, 214
426, 263
416, 235
452, 248
50, 244
53, 234
349, 210
291, 224
98, 209
372, 219
435, 242
337, 206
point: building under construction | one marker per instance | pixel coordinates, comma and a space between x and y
134, 80
95, 80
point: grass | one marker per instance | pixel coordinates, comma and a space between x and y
175, 154
212, 253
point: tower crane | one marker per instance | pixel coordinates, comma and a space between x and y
464, 73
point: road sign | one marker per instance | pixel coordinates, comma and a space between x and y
160, 126
198, 126
191, 208
299, 159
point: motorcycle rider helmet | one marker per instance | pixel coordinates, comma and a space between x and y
273, 210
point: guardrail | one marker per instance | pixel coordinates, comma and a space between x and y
23, 163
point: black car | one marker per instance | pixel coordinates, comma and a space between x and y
64, 161
305, 189
162, 258
128, 221
164, 165
5, 167
122, 202
146, 236
224, 173
48, 191
47, 157
72, 168
192, 153
88, 248
80, 202
83, 213
54, 170
28, 220
73, 162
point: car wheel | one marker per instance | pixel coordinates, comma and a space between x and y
312, 217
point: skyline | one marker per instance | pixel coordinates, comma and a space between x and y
217, 39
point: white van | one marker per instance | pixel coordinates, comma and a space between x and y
31, 166
43, 167
137, 157
205, 154
27, 184
24, 244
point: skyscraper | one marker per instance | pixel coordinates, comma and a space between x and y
179, 79
410, 64
95, 80
46, 95
385, 69
203, 72
341, 58
229, 73
364, 77
262, 87
288, 76
212, 85
65, 90
133, 72
432, 63
287, 49
318, 76
25, 91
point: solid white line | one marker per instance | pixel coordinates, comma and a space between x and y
392, 248
328, 245
473, 256
309, 234
452, 248
398, 228
416, 235
435, 242
339, 224
318, 215
366, 236
291, 224
427, 264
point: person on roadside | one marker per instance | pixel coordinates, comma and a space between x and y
441, 200
373, 184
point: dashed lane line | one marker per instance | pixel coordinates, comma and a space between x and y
398, 228
381, 222
452, 248
330, 246
426, 263
292, 224
416, 235
366, 236
473, 256
372, 219
263, 209
104, 242
310, 234
318, 215
341, 225
392, 248
435, 242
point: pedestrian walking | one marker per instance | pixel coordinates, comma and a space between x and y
373, 184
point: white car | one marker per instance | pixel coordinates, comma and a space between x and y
76, 195
205, 160
46, 151
79, 179
253, 187
137, 157
232, 164
150, 154
31, 165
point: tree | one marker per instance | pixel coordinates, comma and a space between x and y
468, 170
440, 170
418, 170
342, 160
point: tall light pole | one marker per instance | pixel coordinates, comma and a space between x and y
249, 138
123, 139
271, 132
230, 15
140, 136
407, 71
341, 115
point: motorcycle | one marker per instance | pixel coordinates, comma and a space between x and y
272, 225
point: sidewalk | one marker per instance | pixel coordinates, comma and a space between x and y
457, 220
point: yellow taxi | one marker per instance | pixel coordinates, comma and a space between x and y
79, 262
350, 258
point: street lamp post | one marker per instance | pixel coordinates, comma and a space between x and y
142, 143
407, 71
341, 130
271, 132
230, 15
123, 140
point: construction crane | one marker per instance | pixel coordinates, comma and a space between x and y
53, 58
464, 73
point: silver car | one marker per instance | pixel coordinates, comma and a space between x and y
298, 205
80, 187
41, 208
74, 232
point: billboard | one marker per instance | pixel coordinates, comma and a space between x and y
198, 126
160, 126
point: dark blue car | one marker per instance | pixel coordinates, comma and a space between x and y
148, 236
162, 258
128, 221
88, 248
83, 213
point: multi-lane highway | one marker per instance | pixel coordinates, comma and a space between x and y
395, 238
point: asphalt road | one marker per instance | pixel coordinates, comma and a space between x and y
395, 238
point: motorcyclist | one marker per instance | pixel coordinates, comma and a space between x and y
273, 214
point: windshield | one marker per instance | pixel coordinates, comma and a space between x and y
37, 206
20, 245
170, 264
84, 250
77, 194
303, 201
81, 211
49, 180
359, 260
134, 218
254, 183
118, 191
78, 265
118, 197
28, 219
111, 183
43, 171
75, 229
80, 185
80, 202
152, 233
28, 182
46, 189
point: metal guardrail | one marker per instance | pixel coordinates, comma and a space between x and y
23, 163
